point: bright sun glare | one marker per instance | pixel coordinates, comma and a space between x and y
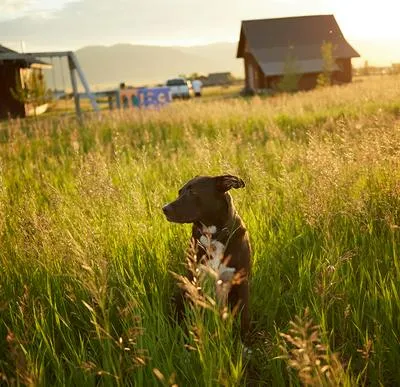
369, 20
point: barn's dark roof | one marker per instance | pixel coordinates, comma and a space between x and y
272, 40
24, 59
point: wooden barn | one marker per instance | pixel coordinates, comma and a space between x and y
267, 44
12, 73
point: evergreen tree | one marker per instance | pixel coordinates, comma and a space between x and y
324, 79
290, 80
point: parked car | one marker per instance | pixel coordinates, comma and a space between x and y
180, 88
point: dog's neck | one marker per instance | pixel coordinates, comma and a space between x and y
222, 231
221, 216
226, 223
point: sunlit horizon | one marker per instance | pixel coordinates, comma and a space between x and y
74, 24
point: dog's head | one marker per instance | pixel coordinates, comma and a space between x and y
203, 199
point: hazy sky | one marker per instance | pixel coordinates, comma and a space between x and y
71, 24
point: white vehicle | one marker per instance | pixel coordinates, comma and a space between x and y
180, 88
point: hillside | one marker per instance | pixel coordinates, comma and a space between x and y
139, 64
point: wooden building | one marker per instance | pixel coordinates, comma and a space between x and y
12, 74
218, 79
266, 45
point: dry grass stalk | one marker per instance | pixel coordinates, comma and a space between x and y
314, 363
161, 378
326, 282
23, 370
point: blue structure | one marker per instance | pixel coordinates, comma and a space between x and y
134, 97
155, 96
143, 97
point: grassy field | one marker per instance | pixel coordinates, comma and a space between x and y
60, 106
86, 254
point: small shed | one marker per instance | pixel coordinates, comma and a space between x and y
266, 44
12, 74
218, 79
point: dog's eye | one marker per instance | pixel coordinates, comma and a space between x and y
191, 191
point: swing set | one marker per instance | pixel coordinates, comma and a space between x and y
75, 72
56, 92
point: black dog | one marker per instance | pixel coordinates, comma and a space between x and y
205, 202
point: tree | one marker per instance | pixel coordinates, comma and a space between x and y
193, 76
31, 90
290, 80
366, 68
324, 79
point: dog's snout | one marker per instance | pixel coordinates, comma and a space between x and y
167, 209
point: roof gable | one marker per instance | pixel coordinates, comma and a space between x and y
305, 32
5, 50
25, 60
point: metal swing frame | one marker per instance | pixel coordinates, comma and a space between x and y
74, 70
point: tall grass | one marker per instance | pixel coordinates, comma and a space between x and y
86, 254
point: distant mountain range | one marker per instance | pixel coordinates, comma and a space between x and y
108, 66
137, 64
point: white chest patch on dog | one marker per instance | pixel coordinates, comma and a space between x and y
215, 251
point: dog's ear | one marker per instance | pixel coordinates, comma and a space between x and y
226, 182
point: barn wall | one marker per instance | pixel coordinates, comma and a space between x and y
346, 73
306, 82
9, 106
261, 81
271, 82
309, 81
255, 75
